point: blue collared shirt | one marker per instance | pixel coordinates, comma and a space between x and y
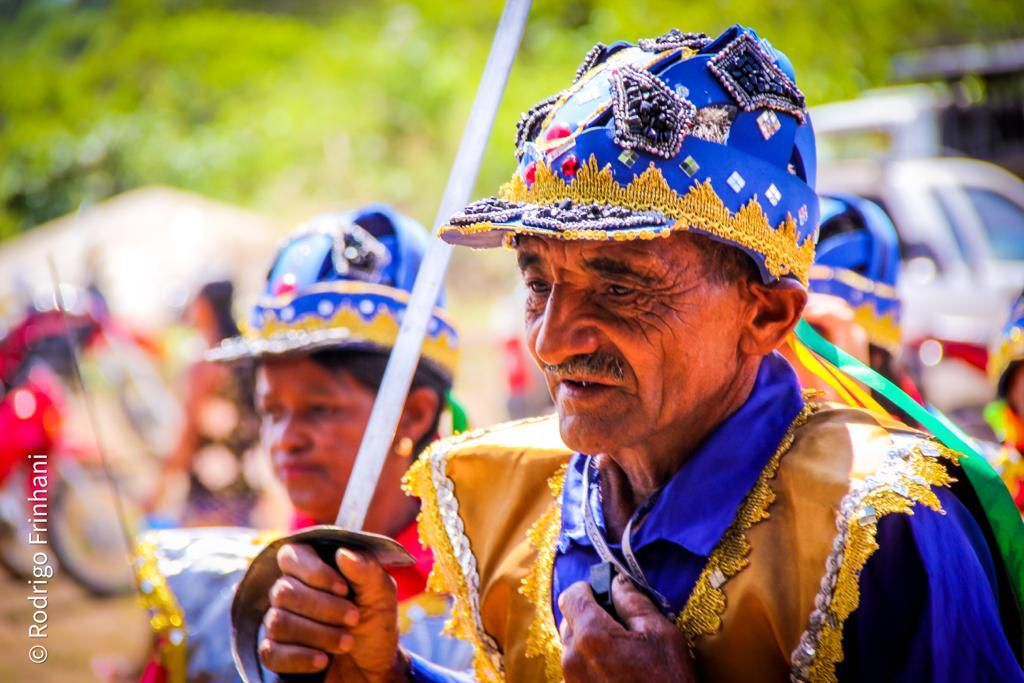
675, 530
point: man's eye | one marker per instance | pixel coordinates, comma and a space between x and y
538, 286
619, 290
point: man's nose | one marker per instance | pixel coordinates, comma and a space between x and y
566, 328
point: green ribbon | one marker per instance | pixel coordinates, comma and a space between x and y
996, 501
460, 419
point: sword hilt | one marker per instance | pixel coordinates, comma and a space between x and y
252, 598
326, 551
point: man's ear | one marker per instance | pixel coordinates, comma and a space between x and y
773, 312
421, 406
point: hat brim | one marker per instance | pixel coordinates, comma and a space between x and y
490, 222
594, 205
294, 343
626, 225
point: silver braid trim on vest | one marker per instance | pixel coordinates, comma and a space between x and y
803, 655
448, 506
899, 474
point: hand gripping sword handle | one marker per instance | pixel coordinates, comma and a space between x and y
251, 599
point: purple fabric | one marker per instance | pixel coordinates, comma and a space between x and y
428, 672
928, 609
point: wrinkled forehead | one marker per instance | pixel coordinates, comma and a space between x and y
645, 259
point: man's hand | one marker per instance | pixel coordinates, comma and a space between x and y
596, 648
315, 611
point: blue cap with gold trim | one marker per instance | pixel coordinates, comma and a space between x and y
343, 281
1008, 349
857, 260
679, 132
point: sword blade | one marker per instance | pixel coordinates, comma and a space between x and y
380, 430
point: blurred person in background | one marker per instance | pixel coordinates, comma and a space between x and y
526, 392
319, 338
216, 446
853, 300
1005, 415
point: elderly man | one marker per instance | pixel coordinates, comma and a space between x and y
662, 215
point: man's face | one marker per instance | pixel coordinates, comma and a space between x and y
633, 339
313, 421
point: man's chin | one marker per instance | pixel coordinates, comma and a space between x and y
588, 433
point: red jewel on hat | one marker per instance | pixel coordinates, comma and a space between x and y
286, 285
530, 174
557, 131
569, 166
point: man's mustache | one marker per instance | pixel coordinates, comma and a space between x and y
589, 366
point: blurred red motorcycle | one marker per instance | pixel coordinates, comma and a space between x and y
56, 508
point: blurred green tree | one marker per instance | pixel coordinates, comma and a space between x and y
276, 104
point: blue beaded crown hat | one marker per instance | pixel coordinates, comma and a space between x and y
1008, 349
679, 132
857, 259
342, 281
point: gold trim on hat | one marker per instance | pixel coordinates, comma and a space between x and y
700, 208
311, 331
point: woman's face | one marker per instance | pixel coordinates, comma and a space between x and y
313, 422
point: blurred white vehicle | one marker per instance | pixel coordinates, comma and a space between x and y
960, 222
961, 227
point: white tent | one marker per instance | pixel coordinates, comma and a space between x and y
149, 248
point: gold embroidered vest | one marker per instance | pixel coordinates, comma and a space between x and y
777, 588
